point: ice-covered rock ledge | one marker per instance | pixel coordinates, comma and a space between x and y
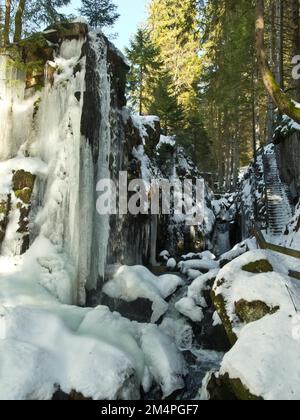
257, 303
60, 134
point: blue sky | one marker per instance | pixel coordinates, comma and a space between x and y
133, 12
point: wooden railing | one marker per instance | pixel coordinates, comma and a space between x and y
263, 244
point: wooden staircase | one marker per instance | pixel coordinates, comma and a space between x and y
279, 207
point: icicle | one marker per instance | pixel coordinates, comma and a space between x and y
102, 223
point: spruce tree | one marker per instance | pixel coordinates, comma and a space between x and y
99, 13
143, 57
165, 104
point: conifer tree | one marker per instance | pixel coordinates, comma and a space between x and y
99, 13
165, 104
143, 57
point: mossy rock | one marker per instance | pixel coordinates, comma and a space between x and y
65, 30
59, 395
23, 221
23, 180
253, 311
236, 387
24, 195
5, 206
218, 390
23, 183
258, 267
220, 306
77, 396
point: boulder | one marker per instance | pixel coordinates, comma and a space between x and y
220, 305
140, 310
225, 388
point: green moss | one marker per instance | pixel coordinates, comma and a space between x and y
257, 267
3, 207
220, 306
23, 183
238, 388
24, 195
23, 179
253, 311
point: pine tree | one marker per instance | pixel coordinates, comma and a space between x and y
165, 104
143, 57
99, 13
174, 28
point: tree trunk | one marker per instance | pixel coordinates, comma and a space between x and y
141, 99
282, 101
19, 21
279, 43
296, 41
7, 22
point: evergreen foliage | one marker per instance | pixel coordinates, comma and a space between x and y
99, 13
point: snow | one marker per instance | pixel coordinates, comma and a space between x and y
172, 264
266, 358
188, 308
199, 285
235, 284
235, 252
165, 254
132, 283
292, 239
166, 364
192, 274
207, 255
200, 265
216, 319
33, 359
141, 122
92, 351
193, 303
166, 140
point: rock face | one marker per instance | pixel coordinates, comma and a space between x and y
23, 184
75, 122
289, 159
5, 203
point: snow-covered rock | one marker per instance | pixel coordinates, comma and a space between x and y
132, 283
187, 307
257, 304
204, 265
171, 264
